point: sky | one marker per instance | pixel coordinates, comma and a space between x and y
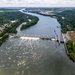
37, 3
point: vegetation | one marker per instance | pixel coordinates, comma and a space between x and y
71, 49
3, 38
33, 21
68, 23
6, 18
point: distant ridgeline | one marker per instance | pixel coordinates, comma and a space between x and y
11, 19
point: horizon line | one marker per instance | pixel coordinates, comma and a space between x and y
38, 7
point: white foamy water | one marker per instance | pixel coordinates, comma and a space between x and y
29, 38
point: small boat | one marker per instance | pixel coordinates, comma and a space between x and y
57, 26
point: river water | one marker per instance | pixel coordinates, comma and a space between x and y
34, 56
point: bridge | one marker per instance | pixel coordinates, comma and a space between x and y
42, 37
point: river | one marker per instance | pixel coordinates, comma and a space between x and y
36, 57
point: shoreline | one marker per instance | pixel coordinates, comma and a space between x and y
65, 40
35, 20
53, 16
67, 52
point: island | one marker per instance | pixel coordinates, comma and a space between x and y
32, 21
11, 19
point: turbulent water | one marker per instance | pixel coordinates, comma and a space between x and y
32, 56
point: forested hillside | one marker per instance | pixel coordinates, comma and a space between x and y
11, 19
68, 22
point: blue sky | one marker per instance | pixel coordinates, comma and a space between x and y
37, 3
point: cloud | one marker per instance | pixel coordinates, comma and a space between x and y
37, 2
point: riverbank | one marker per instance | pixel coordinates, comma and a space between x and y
67, 21
51, 15
3, 38
67, 39
69, 43
11, 27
